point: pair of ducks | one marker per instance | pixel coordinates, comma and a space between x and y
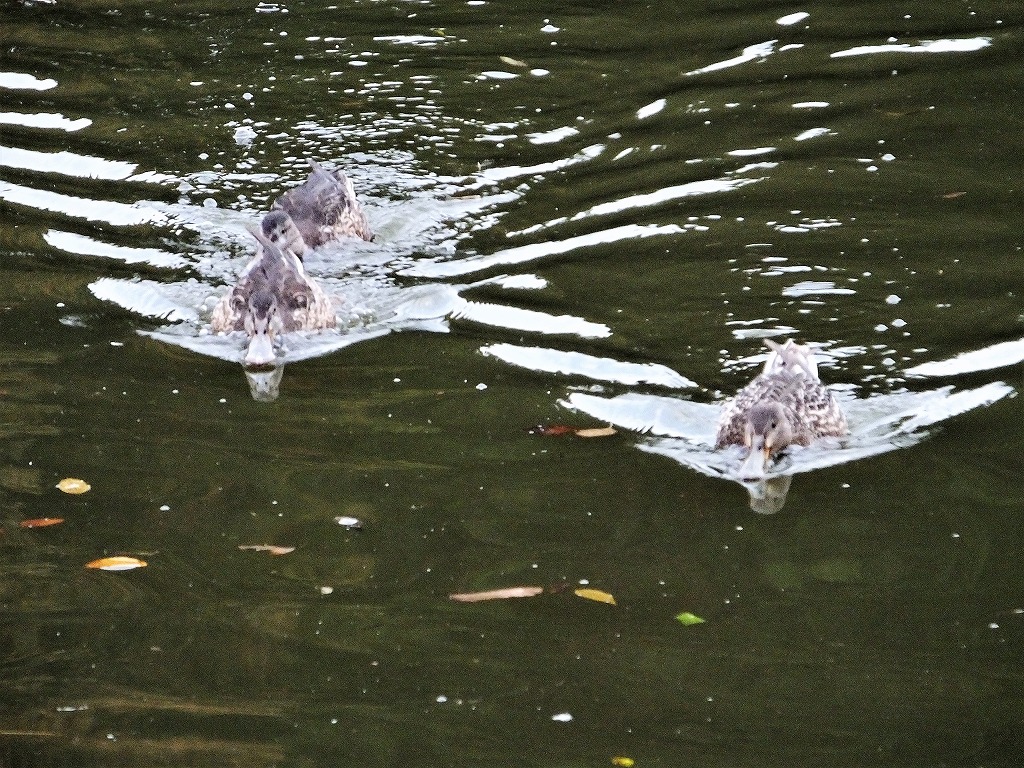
786, 404
274, 295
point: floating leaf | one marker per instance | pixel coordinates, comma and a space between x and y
688, 619
41, 522
953, 195
554, 430
623, 762
596, 595
551, 430
73, 485
273, 549
352, 523
119, 563
513, 62
497, 594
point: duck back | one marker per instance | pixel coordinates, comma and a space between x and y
325, 208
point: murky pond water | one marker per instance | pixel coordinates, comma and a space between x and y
585, 215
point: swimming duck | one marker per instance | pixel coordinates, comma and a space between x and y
787, 404
322, 209
273, 296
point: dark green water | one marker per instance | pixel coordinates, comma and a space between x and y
778, 189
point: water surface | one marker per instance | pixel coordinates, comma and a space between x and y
574, 205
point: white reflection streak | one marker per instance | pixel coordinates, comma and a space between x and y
79, 207
421, 40
529, 320
23, 81
792, 18
144, 297
499, 174
86, 246
578, 364
956, 403
750, 53
816, 287
552, 136
534, 251
651, 109
811, 133
996, 356
931, 46
67, 163
45, 120
689, 189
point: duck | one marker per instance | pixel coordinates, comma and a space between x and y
322, 209
786, 404
273, 296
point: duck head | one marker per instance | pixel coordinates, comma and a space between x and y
767, 432
278, 228
262, 326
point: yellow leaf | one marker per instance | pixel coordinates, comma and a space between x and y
497, 594
595, 594
73, 485
513, 62
597, 432
119, 563
273, 549
623, 762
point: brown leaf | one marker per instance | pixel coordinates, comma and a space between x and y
41, 522
953, 195
497, 594
273, 549
118, 563
555, 430
552, 430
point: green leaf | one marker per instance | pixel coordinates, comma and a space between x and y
688, 619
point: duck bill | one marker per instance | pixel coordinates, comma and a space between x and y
260, 351
755, 466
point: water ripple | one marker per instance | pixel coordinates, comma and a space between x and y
81, 207
606, 369
965, 45
44, 120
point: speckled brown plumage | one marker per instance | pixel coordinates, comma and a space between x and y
322, 209
786, 404
274, 295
